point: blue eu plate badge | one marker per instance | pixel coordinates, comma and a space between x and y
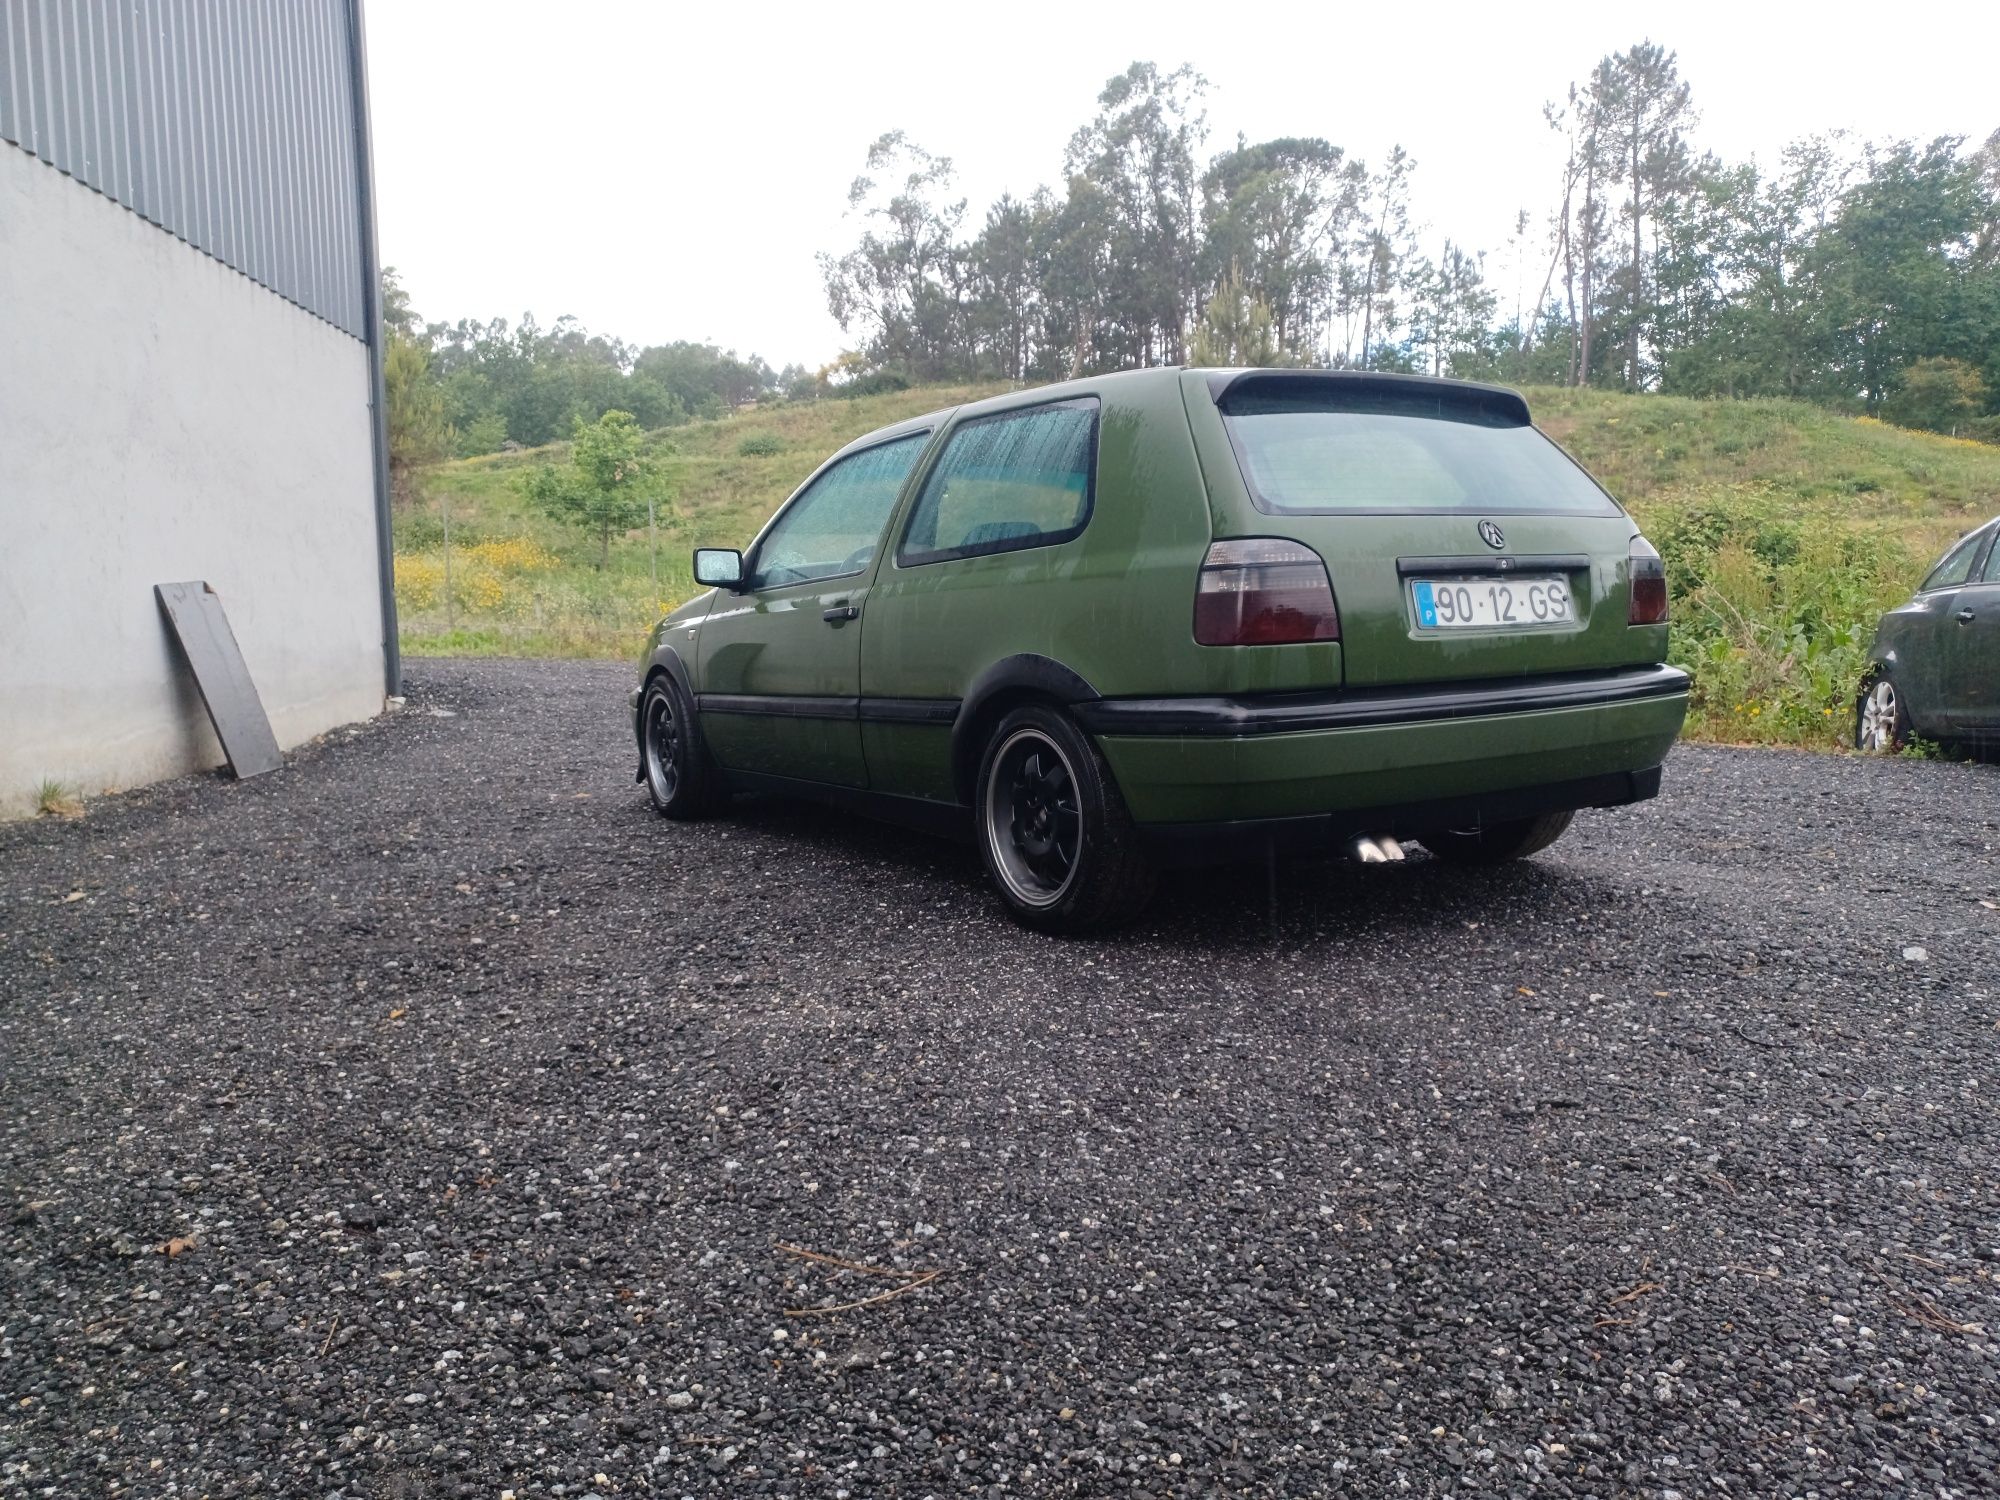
1427, 610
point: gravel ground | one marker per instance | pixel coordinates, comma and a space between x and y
426, 1118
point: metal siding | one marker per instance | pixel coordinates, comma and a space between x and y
229, 123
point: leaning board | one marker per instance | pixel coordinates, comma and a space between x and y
194, 614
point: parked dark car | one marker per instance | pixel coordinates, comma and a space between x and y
1936, 669
1166, 613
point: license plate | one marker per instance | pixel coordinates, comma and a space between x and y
1491, 603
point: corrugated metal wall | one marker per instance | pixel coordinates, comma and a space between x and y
228, 122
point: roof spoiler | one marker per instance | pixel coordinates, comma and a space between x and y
1368, 391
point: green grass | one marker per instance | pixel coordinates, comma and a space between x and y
1787, 530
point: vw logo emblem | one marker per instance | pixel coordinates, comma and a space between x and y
1492, 535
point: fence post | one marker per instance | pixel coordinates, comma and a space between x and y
653, 537
450, 609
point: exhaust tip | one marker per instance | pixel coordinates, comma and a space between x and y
1375, 849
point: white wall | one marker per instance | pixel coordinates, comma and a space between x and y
163, 417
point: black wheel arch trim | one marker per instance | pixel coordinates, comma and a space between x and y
664, 659
1292, 712
1025, 672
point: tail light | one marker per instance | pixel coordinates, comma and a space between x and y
1259, 591
1649, 585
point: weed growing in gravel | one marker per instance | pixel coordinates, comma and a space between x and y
55, 799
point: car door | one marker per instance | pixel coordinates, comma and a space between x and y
1970, 686
780, 658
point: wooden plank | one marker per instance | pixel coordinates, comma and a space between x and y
194, 614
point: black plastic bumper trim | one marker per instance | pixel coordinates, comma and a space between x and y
1294, 712
1321, 833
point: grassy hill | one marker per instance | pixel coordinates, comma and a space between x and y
1787, 530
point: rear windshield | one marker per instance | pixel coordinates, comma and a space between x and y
1371, 449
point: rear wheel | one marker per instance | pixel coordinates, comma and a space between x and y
680, 778
1496, 843
1881, 721
1053, 830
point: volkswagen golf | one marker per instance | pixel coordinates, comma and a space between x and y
1175, 615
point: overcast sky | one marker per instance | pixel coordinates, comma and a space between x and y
667, 171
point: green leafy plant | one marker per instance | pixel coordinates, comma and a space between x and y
760, 445
1774, 614
604, 487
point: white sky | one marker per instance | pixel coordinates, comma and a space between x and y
668, 171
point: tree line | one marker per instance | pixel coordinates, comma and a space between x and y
1861, 275
1864, 276
474, 387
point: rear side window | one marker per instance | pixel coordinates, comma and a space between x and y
1956, 567
1312, 447
1992, 573
1017, 479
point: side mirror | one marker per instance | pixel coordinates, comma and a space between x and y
718, 567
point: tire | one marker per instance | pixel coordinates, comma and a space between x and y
681, 779
1881, 718
1496, 843
1053, 831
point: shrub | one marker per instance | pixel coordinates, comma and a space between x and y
760, 445
486, 433
1774, 614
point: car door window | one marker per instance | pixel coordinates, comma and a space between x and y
1956, 567
1992, 573
1012, 480
831, 530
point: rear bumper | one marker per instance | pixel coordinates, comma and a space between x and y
1318, 833
1392, 762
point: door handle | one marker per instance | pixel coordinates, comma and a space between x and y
842, 612
1964, 617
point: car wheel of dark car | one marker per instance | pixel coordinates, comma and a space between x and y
1497, 843
1881, 719
1053, 831
679, 776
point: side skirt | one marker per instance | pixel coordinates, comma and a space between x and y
947, 819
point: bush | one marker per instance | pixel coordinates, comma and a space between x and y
1773, 615
881, 383
423, 531
1941, 395
760, 445
485, 433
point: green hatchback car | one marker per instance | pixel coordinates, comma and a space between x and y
1172, 615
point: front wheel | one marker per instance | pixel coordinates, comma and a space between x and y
1881, 722
680, 778
1053, 831
1496, 843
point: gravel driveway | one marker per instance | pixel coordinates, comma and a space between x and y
429, 1119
